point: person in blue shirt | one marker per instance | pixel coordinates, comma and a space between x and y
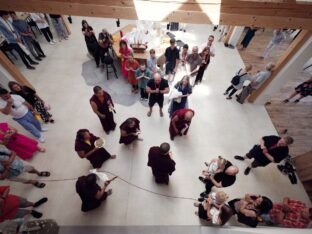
13, 39
27, 36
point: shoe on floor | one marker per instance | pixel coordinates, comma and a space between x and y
201, 179
239, 157
53, 40
228, 98
41, 139
52, 43
203, 194
34, 63
38, 58
247, 170
44, 129
36, 214
31, 68
201, 199
40, 202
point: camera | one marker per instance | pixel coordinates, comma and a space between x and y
288, 169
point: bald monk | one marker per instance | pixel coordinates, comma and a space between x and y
159, 159
180, 122
129, 131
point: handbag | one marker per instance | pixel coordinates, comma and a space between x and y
235, 80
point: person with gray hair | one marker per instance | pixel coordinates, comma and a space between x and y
161, 162
256, 81
193, 61
272, 149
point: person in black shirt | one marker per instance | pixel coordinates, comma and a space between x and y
91, 41
271, 149
156, 88
172, 59
222, 179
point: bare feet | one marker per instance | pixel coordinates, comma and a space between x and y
41, 149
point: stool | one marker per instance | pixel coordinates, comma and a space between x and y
110, 68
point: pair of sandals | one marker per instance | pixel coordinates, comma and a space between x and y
150, 113
42, 174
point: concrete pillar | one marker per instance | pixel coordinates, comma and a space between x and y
288, 72
236, 34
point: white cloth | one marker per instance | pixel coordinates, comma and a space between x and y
101, 177
213, 167
215, 215
174, 94
19, 110
39, 16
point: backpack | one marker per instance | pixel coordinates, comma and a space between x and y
235, 80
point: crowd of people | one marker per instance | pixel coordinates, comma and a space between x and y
20, 37
30, 111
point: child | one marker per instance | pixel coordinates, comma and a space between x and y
152, 62
213, 208
143, 75
214, 167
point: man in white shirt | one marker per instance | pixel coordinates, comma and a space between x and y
21, 111
210, 45
43, 26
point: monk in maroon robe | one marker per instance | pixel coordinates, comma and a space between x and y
180, 122
129, 131
159, 159
85, 148
102, 105
90, 192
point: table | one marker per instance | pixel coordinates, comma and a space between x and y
159, 51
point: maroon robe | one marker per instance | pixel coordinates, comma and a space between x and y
108, 122
180, 124
162, 165
129, 139
98, 157
87, 194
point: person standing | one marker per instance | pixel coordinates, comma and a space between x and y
180, 122
105, 41
143, 75
248, 37
103, 106
303, 90
86, 148
272, 149
59, 26
222, 179
161, 162
181, 102
27, 36
210, 46
33, 99
172, 60
152, 62
184, 54
256, 81
278, 37
156, 88
193, 61
91, 42
42, 24
14, 40
24, 146
238, 80
131, 66
130, 131
124, 51
205, 55
22, 112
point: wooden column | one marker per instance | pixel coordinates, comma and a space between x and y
288, 54
66, 24
13, 71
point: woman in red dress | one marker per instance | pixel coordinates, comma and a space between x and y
85, 148
180, 122
24, 146
103, 106
129, 131
131, 66
124, 51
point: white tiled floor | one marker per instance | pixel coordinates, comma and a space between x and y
220, 127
